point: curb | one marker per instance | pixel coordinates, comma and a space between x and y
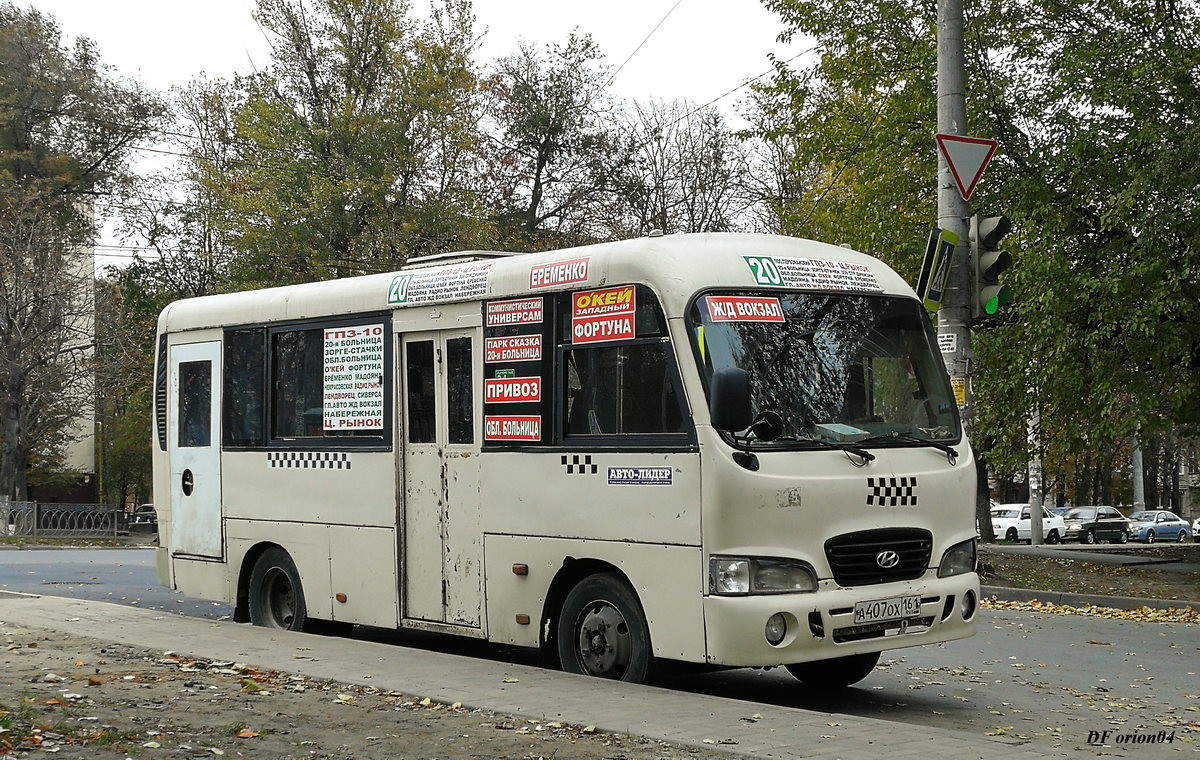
1006, 594
60, 547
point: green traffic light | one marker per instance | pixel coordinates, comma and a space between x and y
994, 297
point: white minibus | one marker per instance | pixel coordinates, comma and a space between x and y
730, 449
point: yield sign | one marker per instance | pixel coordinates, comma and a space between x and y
967, 157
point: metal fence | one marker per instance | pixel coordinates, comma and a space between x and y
31, 519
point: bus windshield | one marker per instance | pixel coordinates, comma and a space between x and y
836, 367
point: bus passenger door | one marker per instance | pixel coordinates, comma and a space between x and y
194, 448
443, 549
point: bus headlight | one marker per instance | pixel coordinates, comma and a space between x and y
958, 559
759, 575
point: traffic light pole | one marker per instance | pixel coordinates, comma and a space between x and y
955, 313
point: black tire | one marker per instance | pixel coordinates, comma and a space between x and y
276, 596
1149, 536
602, 630
1124, 537
837, 673
1088, 537
1182, 538
1011, 535
1052, 538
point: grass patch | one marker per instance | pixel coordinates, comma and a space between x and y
83, 542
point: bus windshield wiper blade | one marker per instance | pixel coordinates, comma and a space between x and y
894, 436
833, 445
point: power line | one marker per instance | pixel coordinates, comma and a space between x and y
640, 44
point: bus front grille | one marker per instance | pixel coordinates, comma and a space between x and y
854, 558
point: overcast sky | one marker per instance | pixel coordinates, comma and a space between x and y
702, 50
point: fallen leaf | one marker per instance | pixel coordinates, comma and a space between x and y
95, 682
426, 702
589, 729
246, 733
249, 685
151, 745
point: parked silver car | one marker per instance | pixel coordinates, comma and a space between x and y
1159, 525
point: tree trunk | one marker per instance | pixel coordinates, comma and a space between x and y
1083, 480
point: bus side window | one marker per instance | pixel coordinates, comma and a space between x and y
460, 401
621, 389
419, 373
244, 367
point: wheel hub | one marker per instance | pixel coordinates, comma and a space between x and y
603, 643
280, 599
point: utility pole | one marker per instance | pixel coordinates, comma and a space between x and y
955, 313
1037, 493
1139, 482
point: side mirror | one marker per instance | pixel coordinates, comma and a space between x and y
729, 400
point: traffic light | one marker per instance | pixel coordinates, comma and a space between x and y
988, 296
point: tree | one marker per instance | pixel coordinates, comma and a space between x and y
66, 129
683, 170
1100, 175
553, 161
355, 149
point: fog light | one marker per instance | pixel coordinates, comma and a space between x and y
968, 605
776, 629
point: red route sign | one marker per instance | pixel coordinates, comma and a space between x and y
512, 390
512, 428
518, 311
513, 348
558, 273
744, 309
967, 158
600, 316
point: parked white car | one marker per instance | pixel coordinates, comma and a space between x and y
1011, 523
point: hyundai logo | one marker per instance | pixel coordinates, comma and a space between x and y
887, 559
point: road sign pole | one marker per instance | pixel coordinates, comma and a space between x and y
954, 329
954, 316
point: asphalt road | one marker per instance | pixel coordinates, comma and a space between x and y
1049, 678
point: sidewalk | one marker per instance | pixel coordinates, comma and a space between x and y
704, 722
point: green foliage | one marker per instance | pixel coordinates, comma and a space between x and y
354, 150
66, 129
1094, 106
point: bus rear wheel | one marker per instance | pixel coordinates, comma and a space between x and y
835, 673
276, 596
602, 631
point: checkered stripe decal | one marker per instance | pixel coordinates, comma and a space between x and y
309, 460
892, 492
579, 465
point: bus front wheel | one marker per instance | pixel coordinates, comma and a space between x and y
835, 673
276, 596
602, 630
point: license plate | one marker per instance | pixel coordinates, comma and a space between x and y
887, 609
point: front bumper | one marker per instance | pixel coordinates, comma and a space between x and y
821, 624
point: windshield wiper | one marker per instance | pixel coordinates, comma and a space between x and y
834, 445
951, 454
